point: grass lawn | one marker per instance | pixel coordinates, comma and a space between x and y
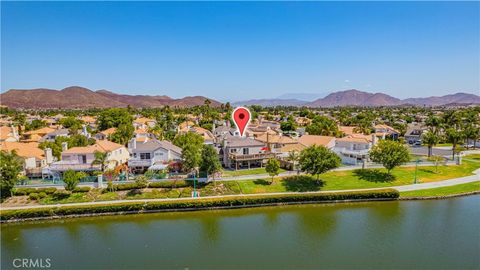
443, 191
229, 173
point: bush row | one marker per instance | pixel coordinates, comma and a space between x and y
197, 203
27, 191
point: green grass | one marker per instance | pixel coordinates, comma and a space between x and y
443, 191
229, 173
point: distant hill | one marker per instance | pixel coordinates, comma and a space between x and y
76, 97
271, 102
358, 98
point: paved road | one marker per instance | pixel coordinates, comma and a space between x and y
423, 150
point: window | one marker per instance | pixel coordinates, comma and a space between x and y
245, 151
144, 155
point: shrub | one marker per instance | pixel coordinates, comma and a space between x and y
81, 189
141, 181
27, 191
61, 194
126, 186
49, 190
42, 195
198, 203
169, 184
33, 196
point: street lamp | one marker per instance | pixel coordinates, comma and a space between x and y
415, 181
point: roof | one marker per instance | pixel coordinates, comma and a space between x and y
275, 138
184, 125
108, 131
347, 130
100, 145
292, 147
152, 145
354, 139
143, 120
237, 141
61, 131
382, 126
6, 132
88, 119
309, 140
25, 150
40, 131
206, 134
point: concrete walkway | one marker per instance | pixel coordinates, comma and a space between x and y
444, 183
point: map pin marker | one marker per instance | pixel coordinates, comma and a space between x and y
241, 117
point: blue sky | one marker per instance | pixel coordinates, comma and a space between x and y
235, 51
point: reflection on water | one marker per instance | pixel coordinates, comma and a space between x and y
411, 234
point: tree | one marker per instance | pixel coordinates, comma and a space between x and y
272, 167
141, 181
101, 158
293, 156
10, 167
318, 159
210, 162
71, 123
114, 117
288, 126
71, 179
390, 154
35, 124
123, 134
454, 136
188, 138
322, 125
430, 139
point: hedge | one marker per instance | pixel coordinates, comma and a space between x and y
169, 184
197, 203
81, 189
27, 191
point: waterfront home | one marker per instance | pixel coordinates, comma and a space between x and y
242, 152
152, 154
309, 140
105, 134
81, 158
383, 131
34, 158
36, 135
353, 149
9, 134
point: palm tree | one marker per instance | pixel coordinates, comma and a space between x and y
101, 158
454, 136
293, 156
431, 139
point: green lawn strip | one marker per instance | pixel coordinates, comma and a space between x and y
229, 173
443, 191
200, 203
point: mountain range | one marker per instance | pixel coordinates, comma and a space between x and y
75, 97
78, 97
355, 97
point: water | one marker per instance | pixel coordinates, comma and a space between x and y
402, 235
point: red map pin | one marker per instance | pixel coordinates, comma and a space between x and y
241, 117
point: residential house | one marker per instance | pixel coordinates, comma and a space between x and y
275, 142
353, 149
105, 134
81, 158
242, 152
208, 137
36, 135
383, 131
144, 123
50, 137
414, 133
309, 140
152, 154
9, 134
34, 158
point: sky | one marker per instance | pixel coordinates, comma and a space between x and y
242, 50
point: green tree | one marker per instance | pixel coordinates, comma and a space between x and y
322, 125
114, 117
188, 138
101, 158
141, 181
10, 167
294, 156
210, 162
288, 126
454, 136
316, 160
35, 124
71, 123
71, 179
430, 139
123, 134
390, 154
272, 168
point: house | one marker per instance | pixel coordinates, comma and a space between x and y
36, 135
144, 123
152, 154
275, 142
207, 136
309, 140
89, 121
105, 134
354, 149
81, 158
9, 134
242, 152
414, 133
50, 137
34, 158
383, 131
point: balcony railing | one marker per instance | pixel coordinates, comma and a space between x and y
240, 157
140, 162
74, 166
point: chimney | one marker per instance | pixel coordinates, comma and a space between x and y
134, 143
374, 139
48, 155
14, 131
64, 146
213, 127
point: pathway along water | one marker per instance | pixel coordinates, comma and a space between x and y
401, 234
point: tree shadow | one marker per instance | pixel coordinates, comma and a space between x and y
373, 175
262, 182
427, 170
302, 183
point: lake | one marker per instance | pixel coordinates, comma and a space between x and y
401, 234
